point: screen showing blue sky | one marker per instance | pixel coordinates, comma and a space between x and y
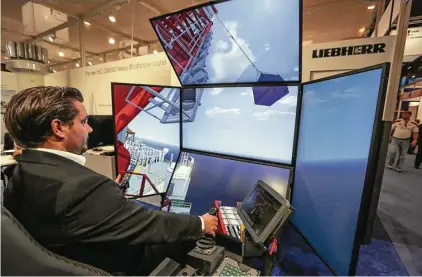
229, 122
264, 33
335, 135
150, 128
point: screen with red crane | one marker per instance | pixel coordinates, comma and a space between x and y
238, 41
147, 129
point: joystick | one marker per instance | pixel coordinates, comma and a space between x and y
206, 245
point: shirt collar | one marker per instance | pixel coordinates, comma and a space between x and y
76, 158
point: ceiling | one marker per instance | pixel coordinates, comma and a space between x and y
323, 21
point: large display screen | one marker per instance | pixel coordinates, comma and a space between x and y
199, 180
147, 123
251, 122
336, 129
234, 41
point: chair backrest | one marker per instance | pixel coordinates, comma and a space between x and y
22, 255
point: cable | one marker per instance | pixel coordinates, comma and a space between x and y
237, 44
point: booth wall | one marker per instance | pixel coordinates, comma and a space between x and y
95, 81
317, 67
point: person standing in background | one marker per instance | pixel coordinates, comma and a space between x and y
418, 159
402, 130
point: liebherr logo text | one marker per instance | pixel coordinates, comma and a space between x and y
349, 50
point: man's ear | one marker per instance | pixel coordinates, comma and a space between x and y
58, 128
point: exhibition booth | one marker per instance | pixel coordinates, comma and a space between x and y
224, 122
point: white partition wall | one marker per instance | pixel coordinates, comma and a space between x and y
95, 81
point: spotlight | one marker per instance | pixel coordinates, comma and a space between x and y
77, 64
361, 30
111, 41
61, 54
50, 38
371, 7
155, 52
87, 23
112, 18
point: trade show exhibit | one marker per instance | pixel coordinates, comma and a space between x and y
242, 137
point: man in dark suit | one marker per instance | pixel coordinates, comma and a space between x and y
73, 210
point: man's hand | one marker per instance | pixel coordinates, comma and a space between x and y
413, 144
210, 223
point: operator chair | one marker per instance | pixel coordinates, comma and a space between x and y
22, 255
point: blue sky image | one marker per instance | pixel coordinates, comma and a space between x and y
334, 141
265, 32
229, 122
337, 111
148, 127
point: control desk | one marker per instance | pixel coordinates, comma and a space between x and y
262, 213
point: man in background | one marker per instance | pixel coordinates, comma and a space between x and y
418, 159
402, 130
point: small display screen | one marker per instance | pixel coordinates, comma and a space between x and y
260, 208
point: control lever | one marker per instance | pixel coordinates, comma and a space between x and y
206, 245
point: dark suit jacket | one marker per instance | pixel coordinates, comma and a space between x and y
83, 215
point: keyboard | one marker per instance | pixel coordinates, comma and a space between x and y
231, 220
230, 267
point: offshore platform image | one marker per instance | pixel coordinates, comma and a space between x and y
143, 163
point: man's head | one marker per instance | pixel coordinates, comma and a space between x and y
50, 117
407, 115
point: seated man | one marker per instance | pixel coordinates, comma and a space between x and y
73, 210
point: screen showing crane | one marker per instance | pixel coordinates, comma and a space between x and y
147, 125
250, 122
233, 41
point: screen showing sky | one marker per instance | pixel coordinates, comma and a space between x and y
335, 135
229, 122
149, 126
246, 38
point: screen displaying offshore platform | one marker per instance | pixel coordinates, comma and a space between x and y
335, 134
199, 180
250, 122
147, 122
236, 41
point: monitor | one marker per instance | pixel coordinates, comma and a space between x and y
256, 123
200, 180
147, 121
102, 131
263, 212
338, 119
233, 41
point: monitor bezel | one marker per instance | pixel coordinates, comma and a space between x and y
116, 166
216, 2
254, 160
368, 186
278, 219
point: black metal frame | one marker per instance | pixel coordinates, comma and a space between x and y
372, 160
163, 194
215, 2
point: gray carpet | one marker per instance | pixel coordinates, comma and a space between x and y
400, 210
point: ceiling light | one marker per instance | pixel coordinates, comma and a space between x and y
77, 64
61, 54
155, 52
90, 63
87, 23
371, 7
361, 30
48, 61
54, 71
112, 18
413, 76
111, 40
50, 38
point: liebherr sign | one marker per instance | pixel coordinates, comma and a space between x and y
365, 49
